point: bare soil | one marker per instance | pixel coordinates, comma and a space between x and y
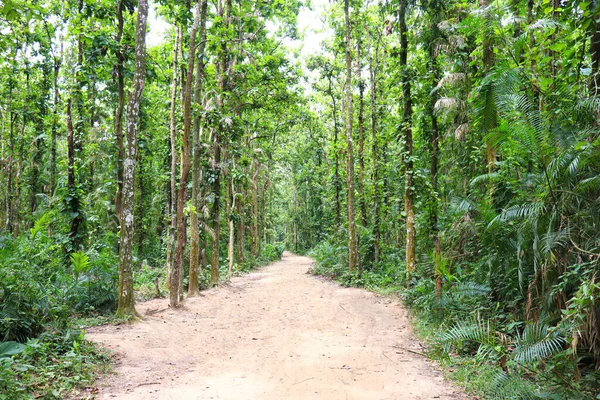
278, 333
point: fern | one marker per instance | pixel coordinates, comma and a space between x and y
42, 223
477, 331
520, 211
538, 341
505, 386
81, 262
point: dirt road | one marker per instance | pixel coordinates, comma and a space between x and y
277, 333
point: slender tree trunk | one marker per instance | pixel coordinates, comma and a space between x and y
224, 13
352, 241
435, 147
75, 146
241, 229
409, 191
488, 62
595, 56
255, 234
173, 156
336, 172
119, 110
73, 198
175, 291
374, 65
361, 139
40, 143
126, 306
11, 141
54, 130
230, 207
195, 249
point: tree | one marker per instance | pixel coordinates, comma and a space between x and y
407, 138
176, 292
353, 260
126, 305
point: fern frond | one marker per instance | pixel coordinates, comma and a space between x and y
589, 184
505, 386
485, 178
553, 239
42, 223
520, 211
538, 342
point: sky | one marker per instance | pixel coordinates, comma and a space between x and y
309, 22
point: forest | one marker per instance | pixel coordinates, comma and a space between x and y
443, 151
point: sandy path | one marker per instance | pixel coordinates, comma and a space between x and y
277, 333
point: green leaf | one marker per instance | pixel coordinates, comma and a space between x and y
9, 349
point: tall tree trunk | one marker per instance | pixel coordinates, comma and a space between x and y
230, 207
173, 155
175, 291
435, 147
255, 208
195, 249
75, 146
224, 13
54, 130
126, 306
409, 190
361, 138
374, 66
352, 241
488, 63
336, 153
73, 198
40, 143
11, 142
119, 110
595, 55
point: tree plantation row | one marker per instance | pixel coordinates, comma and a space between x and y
445, 150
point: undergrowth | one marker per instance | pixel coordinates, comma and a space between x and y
50, 366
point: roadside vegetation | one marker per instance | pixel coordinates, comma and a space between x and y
444, 150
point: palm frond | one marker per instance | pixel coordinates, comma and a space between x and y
461, 131
538, 342
519, 211
505, 386
485, 178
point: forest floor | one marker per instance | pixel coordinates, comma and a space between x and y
277, 333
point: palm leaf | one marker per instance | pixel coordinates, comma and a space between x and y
538, 342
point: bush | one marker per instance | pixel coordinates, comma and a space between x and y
50, 366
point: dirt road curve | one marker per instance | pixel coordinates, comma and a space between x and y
277, 333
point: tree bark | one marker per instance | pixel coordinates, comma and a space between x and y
173, 156
352, 241
126, 306
409, 190
336, 172
374, 66
595, 55
435, 147
195, 250
361, 139
119, 110
224, 13
175, 291
54, 130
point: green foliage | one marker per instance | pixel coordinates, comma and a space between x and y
50, 366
